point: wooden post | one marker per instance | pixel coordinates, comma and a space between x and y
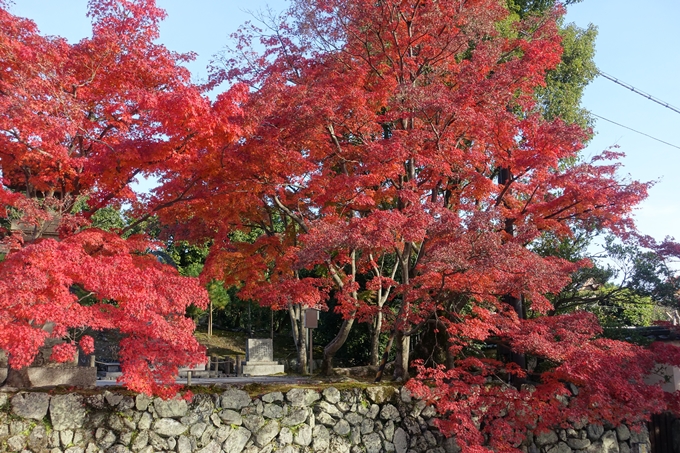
92, 361
311, 323
210, 318
311, 349
238, 365
189, 377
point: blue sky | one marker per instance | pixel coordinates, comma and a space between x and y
638, 43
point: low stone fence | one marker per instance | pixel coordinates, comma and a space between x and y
372, 420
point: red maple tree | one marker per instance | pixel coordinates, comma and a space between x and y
381, 131
393, 153
78, 124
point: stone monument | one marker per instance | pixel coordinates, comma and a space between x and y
260, 358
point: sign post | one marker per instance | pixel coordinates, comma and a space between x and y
311, 322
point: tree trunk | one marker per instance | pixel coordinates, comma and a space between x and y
375, 338
333, 347
385, 357
505, 179
403, 343
519, 359
450, 359
299, 337
302, 352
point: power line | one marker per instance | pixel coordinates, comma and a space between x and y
643, 94
636, 131
640, 92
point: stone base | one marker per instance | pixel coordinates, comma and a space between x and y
3, 375
34, 377
109, 375
262, 368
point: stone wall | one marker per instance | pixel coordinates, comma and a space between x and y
376, 419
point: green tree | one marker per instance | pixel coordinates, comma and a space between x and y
190, 260
625, 285
108, 219
561, 97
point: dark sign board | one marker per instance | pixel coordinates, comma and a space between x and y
311, 318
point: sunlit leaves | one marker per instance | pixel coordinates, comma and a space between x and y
147, 303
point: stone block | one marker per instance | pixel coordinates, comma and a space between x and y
212, 447
389, 412
175, 408
302, 397
254, 422
400, 440
235, 399
379, 394
332, 395
38, 439
67, 411
262, 368
259, 350
594, 431
168, 427
272, 411
609, 442
231, 417
267, 433
342, 428
31, 405
578, 444
330, 409
16, 443
237, 440
561, 447
303, 436
546, 438
272, 397
622, 432
37, 377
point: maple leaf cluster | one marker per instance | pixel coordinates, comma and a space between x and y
142, 298
609, 384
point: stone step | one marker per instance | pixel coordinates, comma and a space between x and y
201, 374
262, 368
109, 375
